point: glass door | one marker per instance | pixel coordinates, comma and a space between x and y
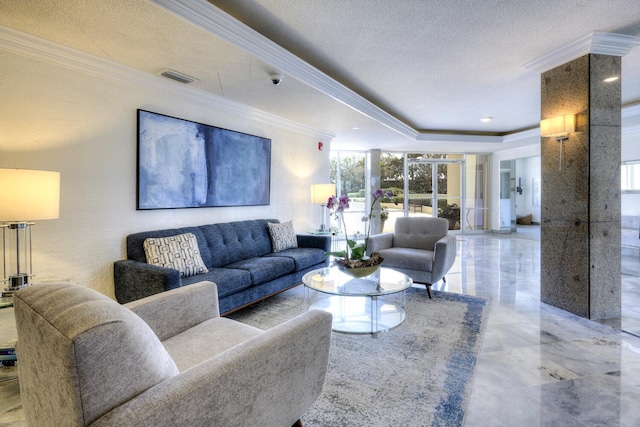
434, 187
507, 196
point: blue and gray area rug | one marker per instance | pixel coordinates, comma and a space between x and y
419, 374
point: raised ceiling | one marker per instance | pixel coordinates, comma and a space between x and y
417, 67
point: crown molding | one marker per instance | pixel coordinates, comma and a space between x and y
43, 50
453, 137
597, 43
525, 134
218, 23
631, 111
631, 129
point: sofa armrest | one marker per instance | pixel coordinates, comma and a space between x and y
134, 280
172, 312
280, 372
443, 258
314, 241
379, 241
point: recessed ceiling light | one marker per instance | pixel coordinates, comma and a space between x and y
611, 79
355, 128
486, 119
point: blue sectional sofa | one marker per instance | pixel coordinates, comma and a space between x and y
239, 259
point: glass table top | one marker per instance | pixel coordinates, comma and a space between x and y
332, 280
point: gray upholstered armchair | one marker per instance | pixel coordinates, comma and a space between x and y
165, 360
420, 247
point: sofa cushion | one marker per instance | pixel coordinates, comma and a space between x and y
407, 258
264, 269
207, 340
179, 252
283, 236
228, 280
302, 257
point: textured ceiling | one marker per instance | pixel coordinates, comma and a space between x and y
438, 64
434, 65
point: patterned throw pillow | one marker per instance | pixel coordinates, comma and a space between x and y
178, 252
283, 236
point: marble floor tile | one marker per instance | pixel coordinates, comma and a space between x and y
619, 384
539, 365
590, 405
519, 407
507, 336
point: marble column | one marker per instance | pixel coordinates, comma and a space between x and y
580, 230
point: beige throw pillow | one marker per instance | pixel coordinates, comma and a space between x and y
179, 252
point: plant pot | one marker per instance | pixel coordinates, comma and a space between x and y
359, 272
360, 268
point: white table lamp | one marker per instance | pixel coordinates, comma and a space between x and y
320, 194
25, 196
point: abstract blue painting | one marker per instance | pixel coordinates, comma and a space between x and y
184, 164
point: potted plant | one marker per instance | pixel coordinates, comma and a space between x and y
451, 213
384, 216
355, 257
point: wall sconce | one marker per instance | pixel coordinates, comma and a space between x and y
320, 194
558, 127
25, 195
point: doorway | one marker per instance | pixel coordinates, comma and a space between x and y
451, 186
435, 189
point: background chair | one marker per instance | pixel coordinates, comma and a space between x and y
165, 360
420, 247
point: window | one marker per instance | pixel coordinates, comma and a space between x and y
347, 171
440, 180
630, 176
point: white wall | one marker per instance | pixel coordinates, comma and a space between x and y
84, 126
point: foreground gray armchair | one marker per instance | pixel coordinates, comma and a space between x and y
165, 360
419, 247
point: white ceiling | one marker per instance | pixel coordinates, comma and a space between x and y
416, 67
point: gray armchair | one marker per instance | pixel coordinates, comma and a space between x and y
420, 247
165, 360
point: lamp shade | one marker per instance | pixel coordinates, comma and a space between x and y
558, 126
320, 193
27, 195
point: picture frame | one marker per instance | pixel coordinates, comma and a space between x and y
185, 164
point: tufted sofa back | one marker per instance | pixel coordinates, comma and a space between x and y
219, 244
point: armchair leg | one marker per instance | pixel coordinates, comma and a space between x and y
429, 290
297, 424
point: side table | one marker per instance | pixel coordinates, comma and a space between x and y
8, 338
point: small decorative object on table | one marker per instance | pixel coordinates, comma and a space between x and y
354, 260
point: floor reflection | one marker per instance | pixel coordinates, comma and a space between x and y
540, 365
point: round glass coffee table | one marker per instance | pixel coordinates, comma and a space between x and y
356, 303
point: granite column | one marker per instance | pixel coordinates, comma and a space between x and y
580, 230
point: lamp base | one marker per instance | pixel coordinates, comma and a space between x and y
16, 282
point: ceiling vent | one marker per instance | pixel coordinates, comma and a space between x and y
174, 75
